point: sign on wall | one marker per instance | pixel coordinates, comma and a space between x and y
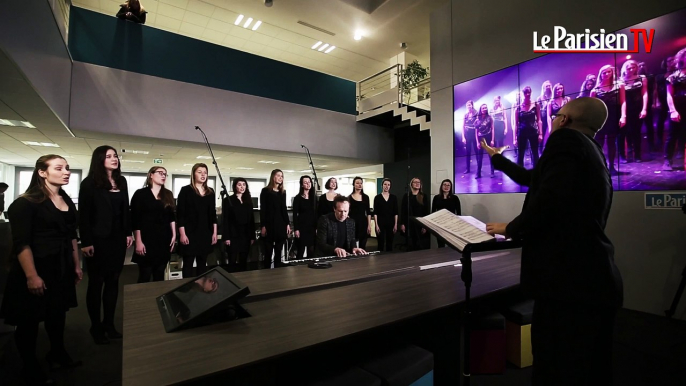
665, 200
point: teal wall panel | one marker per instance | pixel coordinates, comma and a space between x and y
107, 41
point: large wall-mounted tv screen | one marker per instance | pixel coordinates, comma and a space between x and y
645, 151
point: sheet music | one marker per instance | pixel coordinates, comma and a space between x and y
456, 230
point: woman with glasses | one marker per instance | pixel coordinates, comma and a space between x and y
418, 206
238, 223
527, 126
636, 108
197, 220
304, 218
611, 92
154, 226
555, 104
105, 229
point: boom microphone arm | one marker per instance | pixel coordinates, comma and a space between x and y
314, 172
224, 193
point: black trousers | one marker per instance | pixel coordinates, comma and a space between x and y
301, 249
273, 246
675, 137
200, 263
385, 237
525, 137
572, 343
632, 133
480, 156
603, 137
470, 137
154, 270
26, 335
103, 288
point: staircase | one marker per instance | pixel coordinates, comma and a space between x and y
393, 115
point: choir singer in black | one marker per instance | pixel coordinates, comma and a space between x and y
567, 259
336, 231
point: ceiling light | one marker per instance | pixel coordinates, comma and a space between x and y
316, 45
49, 144
330, 49
244, 168
358, 35
247, 22
238, 20
135, 151
188, 164
305, 171
11, 122
132, 161
288, 171
323, 47
31, 143
257, 25
268, 162
34, 143
206, 157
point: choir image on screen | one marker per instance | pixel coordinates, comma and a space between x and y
643, 92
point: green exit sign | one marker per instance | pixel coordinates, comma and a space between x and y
157, 161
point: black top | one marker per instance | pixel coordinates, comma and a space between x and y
49, 232
469, 119
273, 213
324, 206
136, 16
153, 220
197, 215
238, 223
97, 214
566, 254
416, 209
340, 237
452, 203
385, 211
328, 235
678, 82
611, 99
359, 210
633, 95
527, 119
484, 126
304, 218
555, 108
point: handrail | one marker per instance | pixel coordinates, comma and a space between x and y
378, 73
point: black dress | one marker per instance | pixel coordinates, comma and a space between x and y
611, 127
385, 212
324, 206
304, 219
49, 233
359, 210
197, 215
417, 209
238, 225
152, 219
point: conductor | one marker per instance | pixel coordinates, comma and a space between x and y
567, 259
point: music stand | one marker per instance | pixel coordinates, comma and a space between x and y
466, 276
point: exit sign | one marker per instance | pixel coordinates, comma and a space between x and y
665, 200
157, 161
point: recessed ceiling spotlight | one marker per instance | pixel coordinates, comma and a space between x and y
358, 35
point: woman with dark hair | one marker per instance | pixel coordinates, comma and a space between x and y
586, 88
542, 101
238, 223
611, 92
499, 122
304, 218
274, 217
132, 10
386, 216
359, 211
676, 101
635, 109
42, 278
484, 129
469, 133
418, 207
446, 199
527, 126
325, 205
555, 104
154, 226
668, 67
105, 229
197, 219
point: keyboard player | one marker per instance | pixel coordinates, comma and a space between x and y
336, 231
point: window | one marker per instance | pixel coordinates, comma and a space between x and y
254, 184
23, 179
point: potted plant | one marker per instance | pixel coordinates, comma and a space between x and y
410, 77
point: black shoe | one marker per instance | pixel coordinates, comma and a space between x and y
112, 332
99, 336
62, 360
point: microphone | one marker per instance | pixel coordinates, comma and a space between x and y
303, 146
197, 127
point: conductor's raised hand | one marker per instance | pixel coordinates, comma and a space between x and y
492, 150
496, 228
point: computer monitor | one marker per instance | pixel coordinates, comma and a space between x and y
200, 299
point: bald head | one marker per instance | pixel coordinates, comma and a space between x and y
583, 114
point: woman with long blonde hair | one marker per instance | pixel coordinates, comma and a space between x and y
611, 92
197, 219
42, 278
274, 222
636, 108
154, 226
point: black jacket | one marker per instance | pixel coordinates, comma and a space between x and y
327, 232
566, 254
95, 212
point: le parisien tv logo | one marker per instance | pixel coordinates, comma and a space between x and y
587, 42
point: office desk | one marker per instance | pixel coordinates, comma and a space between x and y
296, 307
